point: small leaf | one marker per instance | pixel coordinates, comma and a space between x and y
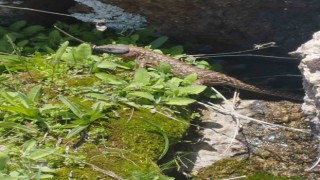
61, 50
190, 78
18, 25
28, 31
72, 107
76, 130
17, 126
195, 89
22, 43
29, 145
82, 52
176, 50
110, 79
142, 95
164, 68
158, 42
141, 76
110, 65
4, 158
39, 153
34, 93
135, 37
180, 101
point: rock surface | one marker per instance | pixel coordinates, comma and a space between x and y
223, 24
277, 150
309, 66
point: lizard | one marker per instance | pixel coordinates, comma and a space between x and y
145, 57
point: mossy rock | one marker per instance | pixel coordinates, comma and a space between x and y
127, 146
228, 168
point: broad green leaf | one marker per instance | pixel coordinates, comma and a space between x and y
17, 126
110, 65
195, 89
76, 130
180, 101
110, 79
82, 52
73, 107
30, 30
140, 94
39, 153
98, 96
61, 50
158, 42
34, 93
141, 76
190, 78
18, 25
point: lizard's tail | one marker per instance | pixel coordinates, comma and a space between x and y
263, 90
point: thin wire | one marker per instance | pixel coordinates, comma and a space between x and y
64, 32
237, 52
246, 55
37, 10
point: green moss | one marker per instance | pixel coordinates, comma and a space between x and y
80, 81
139, 136
228, 168
121, 162
126, 146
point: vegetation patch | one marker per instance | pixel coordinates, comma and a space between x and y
69, 112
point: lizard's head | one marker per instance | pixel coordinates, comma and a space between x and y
113, 48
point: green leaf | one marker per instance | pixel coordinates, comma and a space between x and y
98, 96
141, 76
61, 50
195, 89
18, 25
82, 52
34, 94
135, 37
19, 109
110, 79
164, 68
22, 43
180, 101
158, 42
141, 94
54, 37
17, 126
76, 130
73, 107
31, 30
29, 145
39, 153
176, 50
190, 78
4, 159
110, 65
10, 99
